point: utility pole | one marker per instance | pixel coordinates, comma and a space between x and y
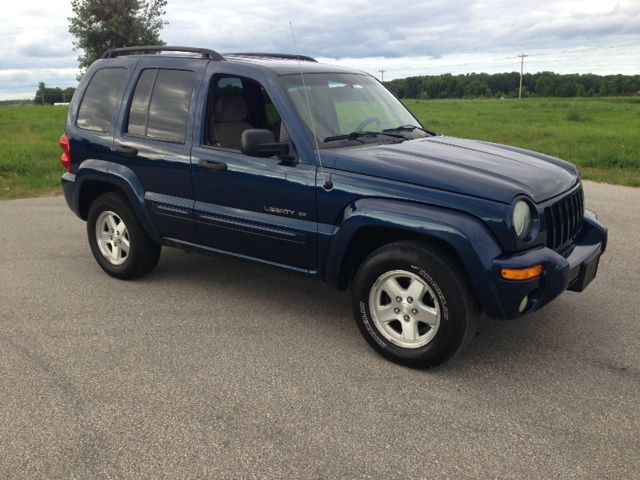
522, 55
382, 75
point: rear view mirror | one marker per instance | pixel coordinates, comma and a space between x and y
258, 142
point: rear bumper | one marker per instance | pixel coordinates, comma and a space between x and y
571, 270
68, 183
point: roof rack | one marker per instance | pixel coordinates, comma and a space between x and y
204, 52
284, 56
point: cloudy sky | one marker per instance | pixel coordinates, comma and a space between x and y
403, 38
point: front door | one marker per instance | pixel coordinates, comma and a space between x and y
262, 208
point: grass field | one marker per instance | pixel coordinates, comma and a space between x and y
602, 136
29, 151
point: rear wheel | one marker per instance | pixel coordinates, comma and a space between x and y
413, 305
118, 242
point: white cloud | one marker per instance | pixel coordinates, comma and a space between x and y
404, 38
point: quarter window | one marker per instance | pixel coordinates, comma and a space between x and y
160, 104
101, 100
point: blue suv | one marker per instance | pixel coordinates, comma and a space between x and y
319, 169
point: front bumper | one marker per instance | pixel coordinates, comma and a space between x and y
572, 270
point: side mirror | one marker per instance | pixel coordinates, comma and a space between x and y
257, 142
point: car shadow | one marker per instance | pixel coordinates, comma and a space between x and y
498, 344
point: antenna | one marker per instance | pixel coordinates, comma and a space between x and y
326, 184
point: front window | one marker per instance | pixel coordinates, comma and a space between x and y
348, 108
236, 104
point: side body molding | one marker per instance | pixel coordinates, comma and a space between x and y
120, 176
473, 243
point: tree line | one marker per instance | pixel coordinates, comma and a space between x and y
542, 84
50, 95
471, 85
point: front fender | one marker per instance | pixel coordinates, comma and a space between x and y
465, 234
119, 176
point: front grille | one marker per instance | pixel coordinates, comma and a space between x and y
564, 219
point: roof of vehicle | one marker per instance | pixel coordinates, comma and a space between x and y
291, 66
279, 63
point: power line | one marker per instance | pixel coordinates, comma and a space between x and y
580, 50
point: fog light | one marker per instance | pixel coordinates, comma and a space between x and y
523, 304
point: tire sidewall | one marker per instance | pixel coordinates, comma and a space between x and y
454, 315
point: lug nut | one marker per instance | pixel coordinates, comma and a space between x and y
396, 310
398, 299
410, 299
406, 318
414, 311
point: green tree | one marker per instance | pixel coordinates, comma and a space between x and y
50, 95
99, 25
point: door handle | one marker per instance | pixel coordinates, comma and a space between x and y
212, 165
126, 150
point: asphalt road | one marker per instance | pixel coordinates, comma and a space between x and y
213, 368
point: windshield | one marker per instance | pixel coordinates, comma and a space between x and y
350, 108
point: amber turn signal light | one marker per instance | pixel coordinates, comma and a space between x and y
522, 273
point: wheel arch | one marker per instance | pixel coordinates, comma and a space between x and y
95, 177
368, 224
89, 191
369, 238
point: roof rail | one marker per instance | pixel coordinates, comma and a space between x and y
205, 52
284, 56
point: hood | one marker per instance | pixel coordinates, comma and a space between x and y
482, 169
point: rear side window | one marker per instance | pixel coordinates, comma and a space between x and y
160, 104
101, 99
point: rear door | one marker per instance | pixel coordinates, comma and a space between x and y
154, 140
263, 208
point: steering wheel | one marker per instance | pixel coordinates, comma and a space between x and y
366, 122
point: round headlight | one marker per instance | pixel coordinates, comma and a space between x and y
522, 218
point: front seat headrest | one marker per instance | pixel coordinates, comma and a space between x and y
230, 109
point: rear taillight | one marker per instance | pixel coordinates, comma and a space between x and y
65, 159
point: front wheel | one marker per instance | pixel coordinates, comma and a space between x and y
413, 304
118, 242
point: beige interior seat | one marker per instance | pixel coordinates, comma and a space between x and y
230, 115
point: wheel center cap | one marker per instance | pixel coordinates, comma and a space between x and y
404, 307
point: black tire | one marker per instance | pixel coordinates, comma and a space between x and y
143, 253
442, 273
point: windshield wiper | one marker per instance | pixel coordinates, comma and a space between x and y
408, 128
356, 135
